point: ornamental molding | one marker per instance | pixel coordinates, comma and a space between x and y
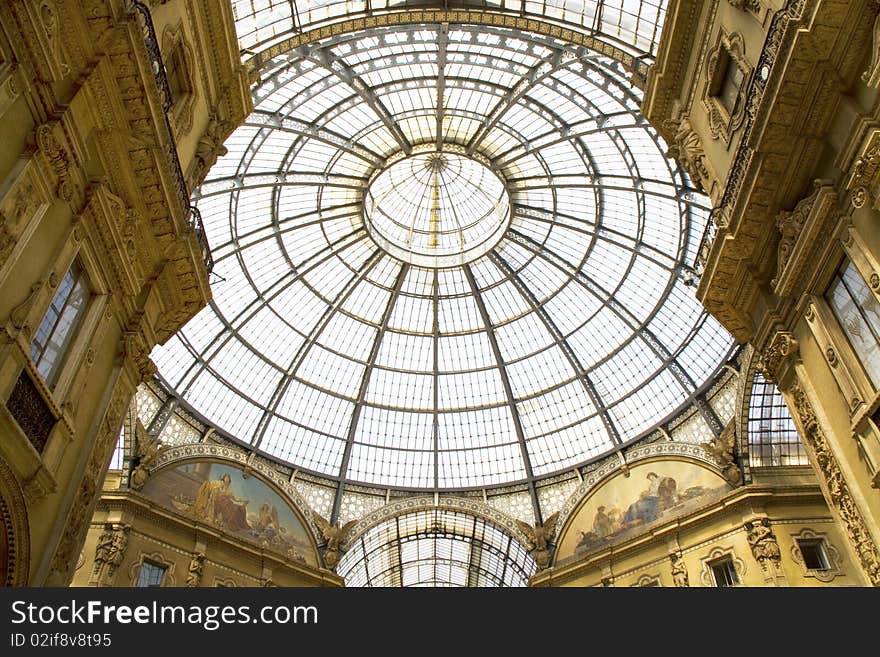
837, 490
803, 231
14, 519
721, 124
706, 577
410, 505
865, 173
87, 494
781, 352
249, 465
498, 18
614, 466
831, 553
157, 558
182, 110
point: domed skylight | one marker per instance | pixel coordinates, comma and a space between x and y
448, 257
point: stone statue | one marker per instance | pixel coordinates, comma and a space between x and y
539, 539
147, 452
194, 573
679, 570
334, 535
102, 551
110, 551
721, 449
763, 542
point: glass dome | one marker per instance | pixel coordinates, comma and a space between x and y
447, 257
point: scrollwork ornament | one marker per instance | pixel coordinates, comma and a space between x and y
782, 347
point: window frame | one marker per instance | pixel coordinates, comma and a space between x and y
729, 566
70, 338
729, 51
162, 568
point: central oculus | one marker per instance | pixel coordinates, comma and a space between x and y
437, 209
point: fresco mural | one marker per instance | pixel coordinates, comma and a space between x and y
224, 496
653, 491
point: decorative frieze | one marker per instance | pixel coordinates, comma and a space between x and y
838, 492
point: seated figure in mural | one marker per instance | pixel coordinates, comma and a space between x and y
216, 504
656, 498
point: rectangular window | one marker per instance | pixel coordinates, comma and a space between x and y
728, 94
724, 572
814, 555
151, 574
858, 314
60, 323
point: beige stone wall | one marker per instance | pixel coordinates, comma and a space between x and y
718, 529
797, 194
88, 173
155, 534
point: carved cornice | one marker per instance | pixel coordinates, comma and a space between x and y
837, 490
804, 231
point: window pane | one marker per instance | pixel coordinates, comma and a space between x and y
58, 326
858, 313
773, 438
150, 574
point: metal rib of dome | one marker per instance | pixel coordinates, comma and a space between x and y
572, 335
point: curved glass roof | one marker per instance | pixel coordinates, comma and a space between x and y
436, 547
632, 24
573, 334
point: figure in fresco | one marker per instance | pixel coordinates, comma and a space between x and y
646, 508
606, 522
268, 519
216, 504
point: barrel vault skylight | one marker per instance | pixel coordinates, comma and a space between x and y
447, 256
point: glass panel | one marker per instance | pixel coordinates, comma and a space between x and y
436, 548
150, 574
445, 290
858, 313
773, 438
59, 325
